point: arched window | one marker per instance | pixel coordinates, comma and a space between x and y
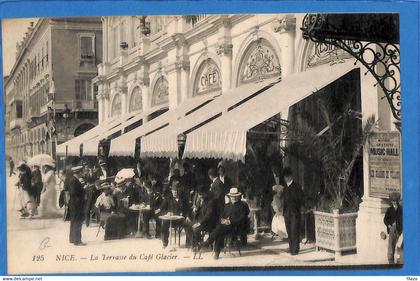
259, 62
160, 92
116, 106
208, 78
136, 100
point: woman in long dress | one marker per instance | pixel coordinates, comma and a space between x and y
48, 206
27, 205
278, 225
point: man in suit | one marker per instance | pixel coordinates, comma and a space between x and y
293, 199
217, 191
204, 209
76, 204
174, 204
234, 221
227, 182
393, 223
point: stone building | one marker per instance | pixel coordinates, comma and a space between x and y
218, 77
49, 94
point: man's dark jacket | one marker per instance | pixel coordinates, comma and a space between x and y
77, 198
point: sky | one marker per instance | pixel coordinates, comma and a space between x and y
13, 31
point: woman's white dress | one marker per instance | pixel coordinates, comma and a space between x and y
278, 225
48, 205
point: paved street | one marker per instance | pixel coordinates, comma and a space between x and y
41, 245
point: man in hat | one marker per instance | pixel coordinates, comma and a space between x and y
234, 221
204, 208
76, 204
174, 204
393, 223
217, 191
293, 201
227, 183
11, 167
103, 171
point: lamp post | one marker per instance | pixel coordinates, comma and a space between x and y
66, 116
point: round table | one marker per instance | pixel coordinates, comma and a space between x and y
141, 210
171, 218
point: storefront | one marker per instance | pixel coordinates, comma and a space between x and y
236, 87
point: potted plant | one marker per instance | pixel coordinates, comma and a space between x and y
336, 146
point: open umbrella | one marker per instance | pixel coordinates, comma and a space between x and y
41, 160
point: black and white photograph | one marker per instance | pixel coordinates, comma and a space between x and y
203, 142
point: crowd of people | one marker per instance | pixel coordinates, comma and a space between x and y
215, 208
37, 193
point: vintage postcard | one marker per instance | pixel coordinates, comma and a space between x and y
202, 142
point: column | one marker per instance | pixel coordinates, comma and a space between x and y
105, 42
225, 52
100, 107
185, 80
172, 76
144, 88
284, 29
369, 224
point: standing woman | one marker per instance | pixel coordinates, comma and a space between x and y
48, 205
27, 193
277, 225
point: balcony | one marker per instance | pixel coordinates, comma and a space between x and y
16, 123
82, 105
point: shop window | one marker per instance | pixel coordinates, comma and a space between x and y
83, 89
260, 62
160, 92
208, 78
136, 101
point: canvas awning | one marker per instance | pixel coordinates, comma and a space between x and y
124, 145
73, 146
90, 146
226, 137
165, 142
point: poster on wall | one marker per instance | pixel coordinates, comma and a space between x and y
384, 164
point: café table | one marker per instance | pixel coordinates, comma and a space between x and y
172, 218
254, 211
141, 209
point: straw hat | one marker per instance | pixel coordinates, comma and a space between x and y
233, 192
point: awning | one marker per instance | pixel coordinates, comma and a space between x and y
225, 137
124, 145
164, 143
90, 146
73, 145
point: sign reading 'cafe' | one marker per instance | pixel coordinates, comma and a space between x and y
384, 164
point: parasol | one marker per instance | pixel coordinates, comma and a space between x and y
41, 160
124, 174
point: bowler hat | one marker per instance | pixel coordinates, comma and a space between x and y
234, 192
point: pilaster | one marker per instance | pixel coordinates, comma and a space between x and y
285, 31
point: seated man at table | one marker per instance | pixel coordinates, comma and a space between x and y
173, 204
151, 198
234, 221
204, 210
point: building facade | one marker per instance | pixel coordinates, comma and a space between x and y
49, 94
150, 61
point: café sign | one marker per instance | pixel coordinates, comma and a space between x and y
384, 164
208, 78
